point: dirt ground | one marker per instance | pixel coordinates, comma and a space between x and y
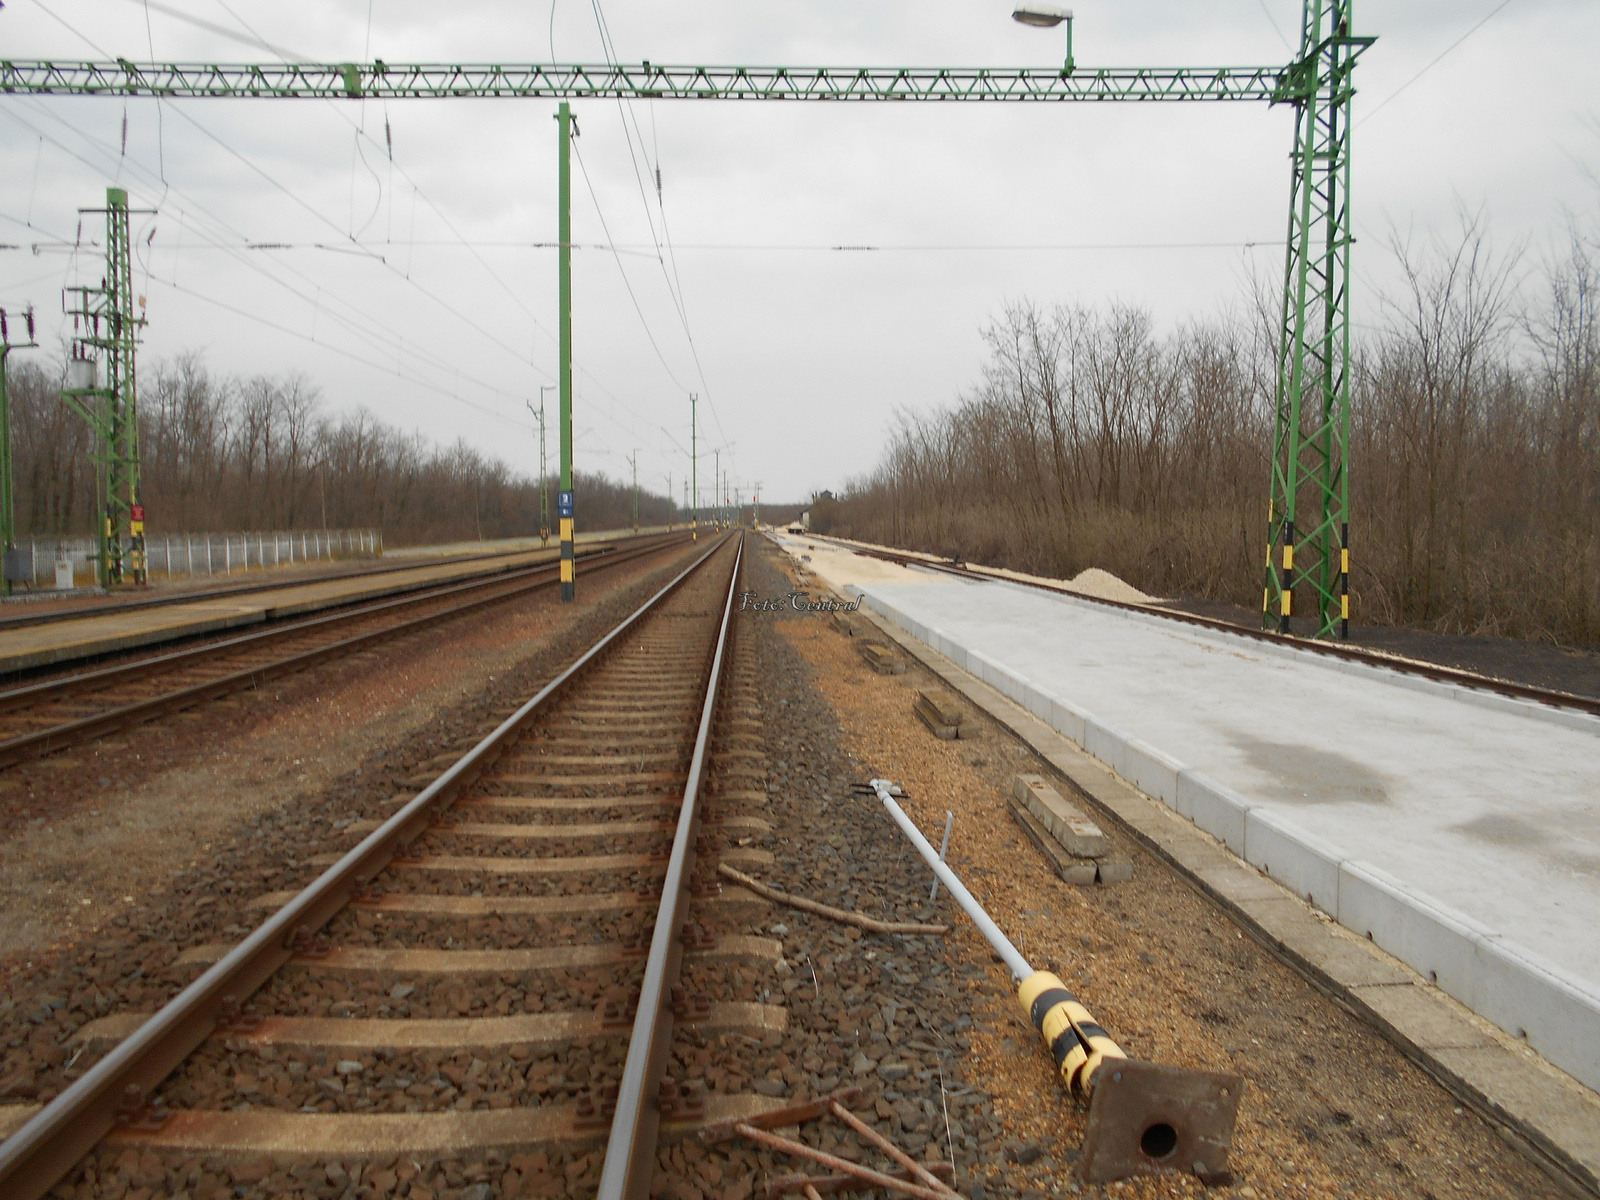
1331, 1109
139, 808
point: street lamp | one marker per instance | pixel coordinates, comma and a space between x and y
1045, 16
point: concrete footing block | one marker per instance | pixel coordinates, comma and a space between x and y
881, 659
1113, 870
1068, 824
1067, 868
940, 712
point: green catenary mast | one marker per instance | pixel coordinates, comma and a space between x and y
8, 491
102, 386
1308, 514
564, 499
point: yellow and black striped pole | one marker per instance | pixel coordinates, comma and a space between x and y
1075, 1040
1344, 581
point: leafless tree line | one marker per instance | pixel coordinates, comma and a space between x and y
1094, 440
226, 454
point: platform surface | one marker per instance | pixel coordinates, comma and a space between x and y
1492, 811
105, 630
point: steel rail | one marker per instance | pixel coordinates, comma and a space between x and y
121, 604
1371, 658
57, 737
35, 1157
631, 1148
644, 81
92, 680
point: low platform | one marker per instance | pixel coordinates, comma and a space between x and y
1456, 828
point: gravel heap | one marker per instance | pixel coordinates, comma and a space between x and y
1103, 585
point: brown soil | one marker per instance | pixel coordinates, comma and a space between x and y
1330, 1108
146, 805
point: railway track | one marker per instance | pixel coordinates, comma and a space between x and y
502, 965
41, 718
121, 602
1346, 652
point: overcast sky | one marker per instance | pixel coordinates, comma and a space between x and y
442, 319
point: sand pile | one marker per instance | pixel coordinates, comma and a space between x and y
1103, 585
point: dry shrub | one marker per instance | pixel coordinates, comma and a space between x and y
1475, 451
240, 454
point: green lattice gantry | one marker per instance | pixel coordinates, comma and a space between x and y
1308, 515
645, 81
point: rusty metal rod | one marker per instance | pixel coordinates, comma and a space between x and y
866, 1174
889, 1148
823, 910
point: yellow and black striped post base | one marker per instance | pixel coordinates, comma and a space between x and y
569, 590
1144, 1118
1077, 1043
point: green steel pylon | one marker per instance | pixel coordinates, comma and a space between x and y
1308, 514
102, 386
8, 509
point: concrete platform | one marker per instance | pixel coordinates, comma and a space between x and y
1459, 830
107, 631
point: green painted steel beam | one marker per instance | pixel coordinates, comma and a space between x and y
645, 81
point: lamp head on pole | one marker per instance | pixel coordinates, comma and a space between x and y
1044, 16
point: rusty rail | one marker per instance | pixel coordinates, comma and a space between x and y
123, 603
1371, 658
57, 737
631, 1149
44, 1149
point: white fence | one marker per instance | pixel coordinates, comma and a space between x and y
199, 553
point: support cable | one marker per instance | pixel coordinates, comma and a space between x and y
673, 280
599, 212
373, 336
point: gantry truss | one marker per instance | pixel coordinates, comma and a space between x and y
645, 81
